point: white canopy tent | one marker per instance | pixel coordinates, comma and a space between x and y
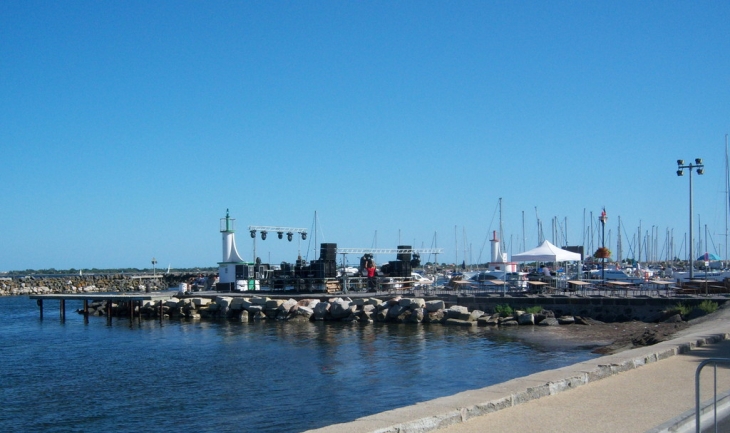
546, 252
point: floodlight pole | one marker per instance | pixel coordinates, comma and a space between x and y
700, 170
603, 219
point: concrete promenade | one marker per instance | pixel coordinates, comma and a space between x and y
649, 389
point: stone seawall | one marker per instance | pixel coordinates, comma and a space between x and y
89, 284
604, 308
344, 309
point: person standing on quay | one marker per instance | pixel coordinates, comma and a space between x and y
371, 275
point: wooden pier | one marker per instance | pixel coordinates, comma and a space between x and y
131, 300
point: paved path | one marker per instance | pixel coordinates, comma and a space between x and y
642, 390
633, 401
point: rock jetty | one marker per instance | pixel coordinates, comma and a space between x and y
343, 309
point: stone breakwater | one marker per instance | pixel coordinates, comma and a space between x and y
87, 284
363, 310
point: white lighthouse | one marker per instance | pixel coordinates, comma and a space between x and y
499, 259
231, 258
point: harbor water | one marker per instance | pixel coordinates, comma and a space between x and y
212, 376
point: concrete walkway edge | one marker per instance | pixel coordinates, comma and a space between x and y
445, 411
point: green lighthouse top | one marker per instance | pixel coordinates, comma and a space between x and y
228, 223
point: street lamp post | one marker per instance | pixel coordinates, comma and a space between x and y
700, 170
154, 262
603, 220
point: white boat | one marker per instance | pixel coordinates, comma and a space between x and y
420, 280
712, 275
620, 275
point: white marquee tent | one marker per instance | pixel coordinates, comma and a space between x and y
546, 252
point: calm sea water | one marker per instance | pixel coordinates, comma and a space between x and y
192, 376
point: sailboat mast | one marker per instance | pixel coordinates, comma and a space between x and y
315, 234
727, 193
618, 243
456, 249
501, 231
524, 243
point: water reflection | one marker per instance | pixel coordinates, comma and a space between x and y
266, 376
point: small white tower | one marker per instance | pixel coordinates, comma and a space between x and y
499, 259
496, 256
231, 258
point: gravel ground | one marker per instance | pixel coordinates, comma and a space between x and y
601, 338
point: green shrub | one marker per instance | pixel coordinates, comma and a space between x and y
680, 308
708, 306
503, 310
533, 310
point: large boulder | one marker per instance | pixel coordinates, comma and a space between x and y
273, 304
412, 303
236, 304
487, 320
239, 315
475, 314
259, 300
674, 319
221, 300
458, 322
201, 302
381, 315
396, 310
224, 303
394, 301
341, 309
308, 303
526, 319
321, 310
304, 311
544, 314
435, 305
434, 316
287, 305
367, 313
549, 321
255, 309
374, 301
566, 320
416, 316
457, 312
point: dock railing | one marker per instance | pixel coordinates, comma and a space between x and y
698, 409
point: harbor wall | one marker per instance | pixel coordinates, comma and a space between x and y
35, 285
603, 308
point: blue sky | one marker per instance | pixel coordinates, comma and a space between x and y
128, 128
